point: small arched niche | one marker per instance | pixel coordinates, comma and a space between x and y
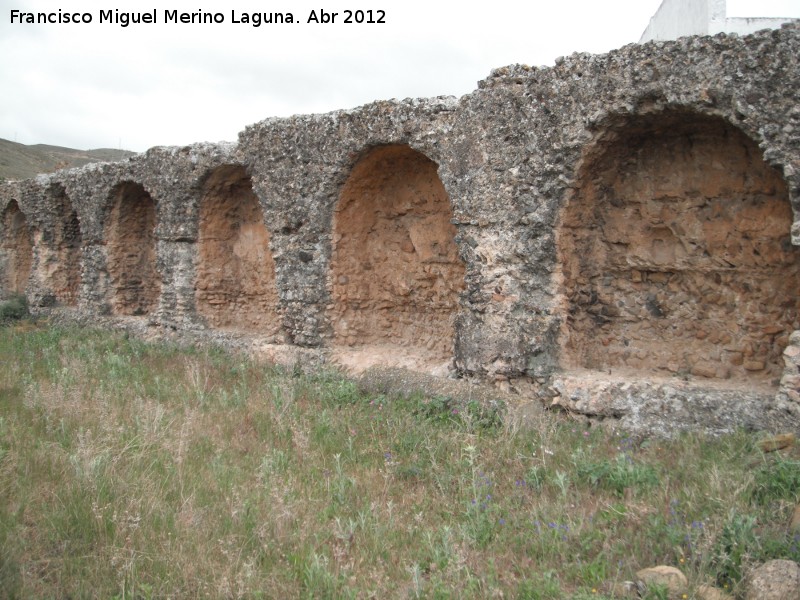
62, 263
16, 242
235, 285
676, 254
131, 250
396, 274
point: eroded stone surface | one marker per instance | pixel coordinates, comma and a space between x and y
130, 248
395, 271
60, 251
235, 270
677, 255
17, 248
668, 406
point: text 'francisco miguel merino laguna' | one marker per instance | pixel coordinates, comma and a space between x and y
197, 17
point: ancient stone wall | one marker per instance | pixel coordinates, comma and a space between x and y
616, 235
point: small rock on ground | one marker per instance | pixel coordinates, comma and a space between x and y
777, 442
774, 580
794, 524
707, 592
669, 577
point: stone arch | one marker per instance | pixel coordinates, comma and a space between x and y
16, 242
131, 250
235, 286
61, 260
396, 274
676, 253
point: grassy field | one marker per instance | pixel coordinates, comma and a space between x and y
136, 470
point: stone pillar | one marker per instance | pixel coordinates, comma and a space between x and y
94, 280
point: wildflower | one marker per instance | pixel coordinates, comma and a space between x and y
502, 521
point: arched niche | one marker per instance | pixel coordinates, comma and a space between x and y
61, 255
131, 250
676, 254
235, 286
395, 270
16, 242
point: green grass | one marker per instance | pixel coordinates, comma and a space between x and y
135, 470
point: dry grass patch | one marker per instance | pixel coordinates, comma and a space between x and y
143, 470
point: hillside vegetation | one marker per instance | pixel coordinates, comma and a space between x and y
18, 161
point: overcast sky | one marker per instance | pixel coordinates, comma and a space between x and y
103, 85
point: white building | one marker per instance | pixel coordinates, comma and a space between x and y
677, 18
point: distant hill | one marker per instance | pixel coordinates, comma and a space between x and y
18, 161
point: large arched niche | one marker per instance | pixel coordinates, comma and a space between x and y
676, 254
131, 250
235, 286
395, 270
16, 243
62, 264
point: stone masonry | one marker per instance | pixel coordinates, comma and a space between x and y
617, 236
